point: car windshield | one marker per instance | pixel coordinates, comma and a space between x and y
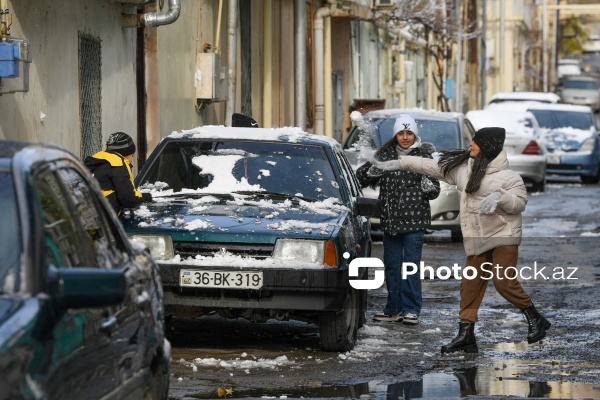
214, 166
580, 84
10, 236
444, 135
553, 119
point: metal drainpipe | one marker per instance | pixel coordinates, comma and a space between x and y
327, 69
300, 64
153, 19
320, 81
231, 59
267, 103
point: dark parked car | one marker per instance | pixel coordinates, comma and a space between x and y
256, 223
81, 313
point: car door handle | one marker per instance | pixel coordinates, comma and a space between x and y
108, 325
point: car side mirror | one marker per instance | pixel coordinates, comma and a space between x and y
368, 207
87, 287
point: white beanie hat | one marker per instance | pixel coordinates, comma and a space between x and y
406, 123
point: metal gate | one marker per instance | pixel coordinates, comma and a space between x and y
90, 94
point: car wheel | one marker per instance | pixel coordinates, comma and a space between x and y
158, 387
456, 235
591, 179
338, 330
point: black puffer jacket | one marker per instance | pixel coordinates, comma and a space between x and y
113, 172
404, 205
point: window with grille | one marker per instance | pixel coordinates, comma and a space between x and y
90, 94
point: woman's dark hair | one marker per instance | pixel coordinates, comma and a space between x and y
390, 143
453, 158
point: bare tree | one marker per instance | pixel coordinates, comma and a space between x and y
435, 17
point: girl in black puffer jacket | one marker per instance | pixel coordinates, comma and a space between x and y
405, 214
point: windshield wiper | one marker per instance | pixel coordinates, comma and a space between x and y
275, 195
197, 195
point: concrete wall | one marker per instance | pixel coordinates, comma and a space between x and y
177, 47
52, 27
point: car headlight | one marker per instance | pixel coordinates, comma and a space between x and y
588, 145
309, 251
160, 246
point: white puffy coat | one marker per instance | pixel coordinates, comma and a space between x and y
482, 232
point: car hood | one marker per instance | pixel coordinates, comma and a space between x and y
566, 139
237, 221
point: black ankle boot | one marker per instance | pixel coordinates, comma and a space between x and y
537, 324
464, 340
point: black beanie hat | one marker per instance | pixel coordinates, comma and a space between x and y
120, 142
490, 141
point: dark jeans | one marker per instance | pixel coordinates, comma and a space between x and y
404, 295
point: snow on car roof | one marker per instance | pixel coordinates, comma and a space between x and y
559, 107
288, 134
534, 105
546, 97
394, 112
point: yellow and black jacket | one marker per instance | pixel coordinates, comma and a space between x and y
113, 172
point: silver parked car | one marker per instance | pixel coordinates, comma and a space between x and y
525, 145
445, 130
581, 90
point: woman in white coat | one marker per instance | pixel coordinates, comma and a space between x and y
493, 198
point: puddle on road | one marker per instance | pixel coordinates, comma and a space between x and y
495, 380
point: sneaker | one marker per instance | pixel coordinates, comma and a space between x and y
410, 319
388, 318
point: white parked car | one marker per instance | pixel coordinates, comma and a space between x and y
524, 144
581, 90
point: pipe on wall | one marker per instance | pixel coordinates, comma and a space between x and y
319, 70
267, 117
231, 58
327, 78
153, 19
300, 63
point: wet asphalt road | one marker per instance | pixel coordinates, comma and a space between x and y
391, 360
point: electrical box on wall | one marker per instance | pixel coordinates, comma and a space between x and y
15, 58
207, 70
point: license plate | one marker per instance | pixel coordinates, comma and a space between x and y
221, 279
552, 159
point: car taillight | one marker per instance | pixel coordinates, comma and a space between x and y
533, 149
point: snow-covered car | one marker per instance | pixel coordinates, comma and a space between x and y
445, 130
572, 140
524, 144
581, 90
256, 223
81, 315
511, 97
